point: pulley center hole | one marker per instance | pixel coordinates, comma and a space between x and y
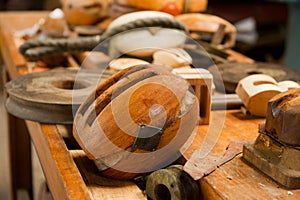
69, 85
162, 192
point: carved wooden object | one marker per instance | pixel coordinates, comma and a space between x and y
136, 121
256, 90
201, 81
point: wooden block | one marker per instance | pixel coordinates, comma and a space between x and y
279, 162
201, 81
255, 91
236, 179
123, 63
101, 187
173, 57
286, 85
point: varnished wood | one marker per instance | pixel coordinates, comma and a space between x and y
201, 80
6, 191
207, 23
236, 179
140, 90
101, 187
63, 177
14, 62
255, 91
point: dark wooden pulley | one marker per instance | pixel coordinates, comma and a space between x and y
172, 183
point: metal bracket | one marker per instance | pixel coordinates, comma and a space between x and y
148, 138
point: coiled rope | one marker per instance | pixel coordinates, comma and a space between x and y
36, 48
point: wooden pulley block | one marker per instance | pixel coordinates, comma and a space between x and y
232, 73
86, 12
283, 117
173, 7
172, 183
142, 41
276, 151
49, 96
217, 30
256, 90
136, 121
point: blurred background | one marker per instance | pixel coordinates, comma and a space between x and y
262, 25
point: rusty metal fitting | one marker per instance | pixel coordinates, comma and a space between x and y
283, 117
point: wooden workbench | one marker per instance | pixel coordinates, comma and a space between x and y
69, 173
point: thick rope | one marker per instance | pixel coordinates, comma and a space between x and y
36, 48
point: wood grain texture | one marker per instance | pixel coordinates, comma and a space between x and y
21, 176
236, 179
110, 125
255, 91
63, 177
101, 187
6, 190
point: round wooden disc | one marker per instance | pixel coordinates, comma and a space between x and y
49, 96
232, 73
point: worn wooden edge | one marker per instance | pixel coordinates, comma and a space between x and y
236, 175
60, 170
8, 50
101, 187
6, 187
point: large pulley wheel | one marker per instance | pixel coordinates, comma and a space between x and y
232, 73
172, 183
49, 96
136, 121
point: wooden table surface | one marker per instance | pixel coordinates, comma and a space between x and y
71, 175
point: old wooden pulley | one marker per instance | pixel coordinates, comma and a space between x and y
173, 7
136, 121
151, 33
232, 73
211, 28
49, 96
